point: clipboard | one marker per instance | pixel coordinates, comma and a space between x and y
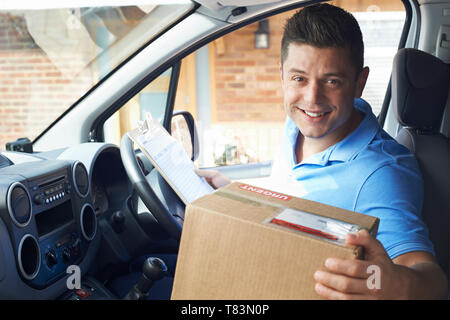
168, 156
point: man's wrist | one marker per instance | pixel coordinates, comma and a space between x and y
424, 280
407, 284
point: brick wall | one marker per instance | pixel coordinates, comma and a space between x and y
32, 95
248, 98
369, 5
249, 113
247, 80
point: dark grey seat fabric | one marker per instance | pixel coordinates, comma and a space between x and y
420, 84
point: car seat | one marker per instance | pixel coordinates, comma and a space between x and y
420, 83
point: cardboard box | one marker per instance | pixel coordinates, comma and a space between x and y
230, 248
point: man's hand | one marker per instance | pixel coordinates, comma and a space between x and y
348, 279
215, 178
353, 279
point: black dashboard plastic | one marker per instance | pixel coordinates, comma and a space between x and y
50, 205
44, 219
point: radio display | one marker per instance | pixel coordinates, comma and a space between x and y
49, 220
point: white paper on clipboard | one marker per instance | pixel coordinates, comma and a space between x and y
168, 156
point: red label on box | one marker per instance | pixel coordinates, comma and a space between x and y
265, 192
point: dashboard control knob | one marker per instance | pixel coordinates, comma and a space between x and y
66, 255
38, 199
50, 258
76, 246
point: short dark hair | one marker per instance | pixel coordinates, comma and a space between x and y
324, 26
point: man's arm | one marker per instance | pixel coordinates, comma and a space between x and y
414, 275
428, 279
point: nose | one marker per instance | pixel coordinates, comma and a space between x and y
312, 92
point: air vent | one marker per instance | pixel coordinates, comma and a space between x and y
19, 204
81, 179
88, 222
29, 257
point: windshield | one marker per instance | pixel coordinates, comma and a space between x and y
50, 57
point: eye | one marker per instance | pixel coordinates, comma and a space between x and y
298, 78
333, 81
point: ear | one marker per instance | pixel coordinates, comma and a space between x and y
361, 82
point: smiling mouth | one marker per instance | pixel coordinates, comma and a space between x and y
313, 114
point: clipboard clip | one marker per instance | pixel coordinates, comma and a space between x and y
144, 125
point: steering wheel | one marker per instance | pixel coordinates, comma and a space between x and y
159, 198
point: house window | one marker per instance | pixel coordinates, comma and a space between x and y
239, 108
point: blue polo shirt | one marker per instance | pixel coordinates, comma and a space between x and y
367, 172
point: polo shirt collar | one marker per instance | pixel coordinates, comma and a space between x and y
345, 149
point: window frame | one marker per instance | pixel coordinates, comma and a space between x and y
96, 132
402, 43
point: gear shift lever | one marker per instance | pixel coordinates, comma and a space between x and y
152, 270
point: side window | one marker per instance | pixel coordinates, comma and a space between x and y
153, 99
232, 86
381, 24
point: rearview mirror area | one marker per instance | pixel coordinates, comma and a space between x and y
183, 129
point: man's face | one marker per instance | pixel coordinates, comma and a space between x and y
319, 86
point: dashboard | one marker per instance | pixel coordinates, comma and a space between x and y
50, 207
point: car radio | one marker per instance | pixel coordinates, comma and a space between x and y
52, 222
50, 193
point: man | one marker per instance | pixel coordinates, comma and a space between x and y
335, 152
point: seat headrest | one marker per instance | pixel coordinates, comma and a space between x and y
420, 83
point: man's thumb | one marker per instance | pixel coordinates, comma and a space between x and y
362, 238
204, 173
